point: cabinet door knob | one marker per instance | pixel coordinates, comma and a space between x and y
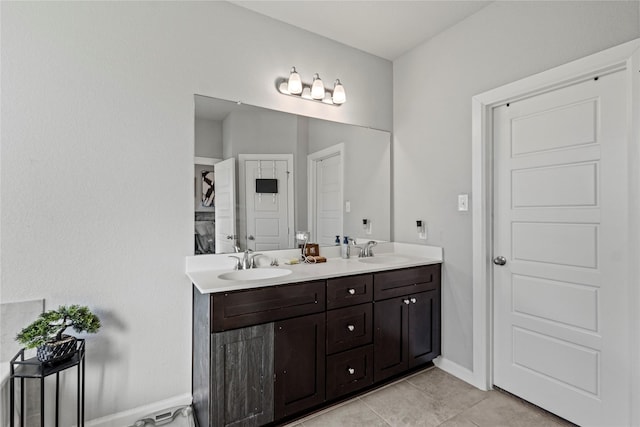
351, 328
413, 300
352, 291
406, 301
351, 371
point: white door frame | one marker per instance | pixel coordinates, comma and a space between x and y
623, 57
312, 168
242, 205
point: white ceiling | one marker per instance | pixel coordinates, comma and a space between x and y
385, 28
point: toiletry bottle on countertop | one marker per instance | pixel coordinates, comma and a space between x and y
344, 250
337, 240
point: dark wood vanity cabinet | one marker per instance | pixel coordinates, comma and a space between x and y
264, 354
407, 327
299, 364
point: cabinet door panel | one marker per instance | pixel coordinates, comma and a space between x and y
424, 321
242, 376
299, 364
391, 338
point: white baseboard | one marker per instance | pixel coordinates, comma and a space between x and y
130, 416
456, 370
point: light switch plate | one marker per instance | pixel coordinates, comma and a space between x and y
463, 202
347, 206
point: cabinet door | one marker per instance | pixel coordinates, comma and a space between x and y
391, 337
424, 327
299, 364
242, 377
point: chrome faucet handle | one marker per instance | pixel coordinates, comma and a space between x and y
252, 260
238, 265
367, 252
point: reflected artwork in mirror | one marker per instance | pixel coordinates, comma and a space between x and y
275, 172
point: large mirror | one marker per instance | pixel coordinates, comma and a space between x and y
262, 175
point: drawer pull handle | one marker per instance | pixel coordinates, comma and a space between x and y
351, 371
351, 328
352, 291
406, 301
413, 300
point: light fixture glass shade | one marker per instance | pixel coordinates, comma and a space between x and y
339, 96
295, 82
317, 88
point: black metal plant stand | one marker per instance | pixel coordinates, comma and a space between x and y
33, 368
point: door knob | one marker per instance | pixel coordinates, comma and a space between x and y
352, 291
499, 260
413, 300
351, 328
351, 371
406, 301
251, 237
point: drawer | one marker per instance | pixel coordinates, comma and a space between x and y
231, 310
349, 371
395, 283
349, 327
349, 290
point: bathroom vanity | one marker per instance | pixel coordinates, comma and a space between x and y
271, 349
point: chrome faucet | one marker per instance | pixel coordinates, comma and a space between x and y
248, 260
352, 245
366, 251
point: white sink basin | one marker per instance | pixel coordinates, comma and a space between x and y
255, 274
384, 259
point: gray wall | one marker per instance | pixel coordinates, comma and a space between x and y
433, 86
208, 138
97, 162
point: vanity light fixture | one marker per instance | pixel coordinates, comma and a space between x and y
295, 82
315, 91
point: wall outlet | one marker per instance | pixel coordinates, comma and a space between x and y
422, 231
347, 206
463, 202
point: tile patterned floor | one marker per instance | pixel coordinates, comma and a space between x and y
432, 398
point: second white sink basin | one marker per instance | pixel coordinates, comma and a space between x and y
384, 259
255, 274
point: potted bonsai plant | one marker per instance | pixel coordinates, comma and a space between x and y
46, 333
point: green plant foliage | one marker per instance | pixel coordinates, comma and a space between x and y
50, 325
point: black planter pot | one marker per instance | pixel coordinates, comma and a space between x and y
57, 351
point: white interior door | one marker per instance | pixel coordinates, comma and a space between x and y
269, 216
225, 205
561, 326
326, 194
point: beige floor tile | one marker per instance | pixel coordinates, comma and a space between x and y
353, 414
402, 404
500, 409
447, 389
458, 421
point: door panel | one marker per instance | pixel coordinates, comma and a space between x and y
299, 364
391, 337
560, 323
267, 214
225, 211
424, 319
242, 368
329, 199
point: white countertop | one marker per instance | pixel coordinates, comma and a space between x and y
204, 270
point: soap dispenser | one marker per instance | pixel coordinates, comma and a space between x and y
344, 250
